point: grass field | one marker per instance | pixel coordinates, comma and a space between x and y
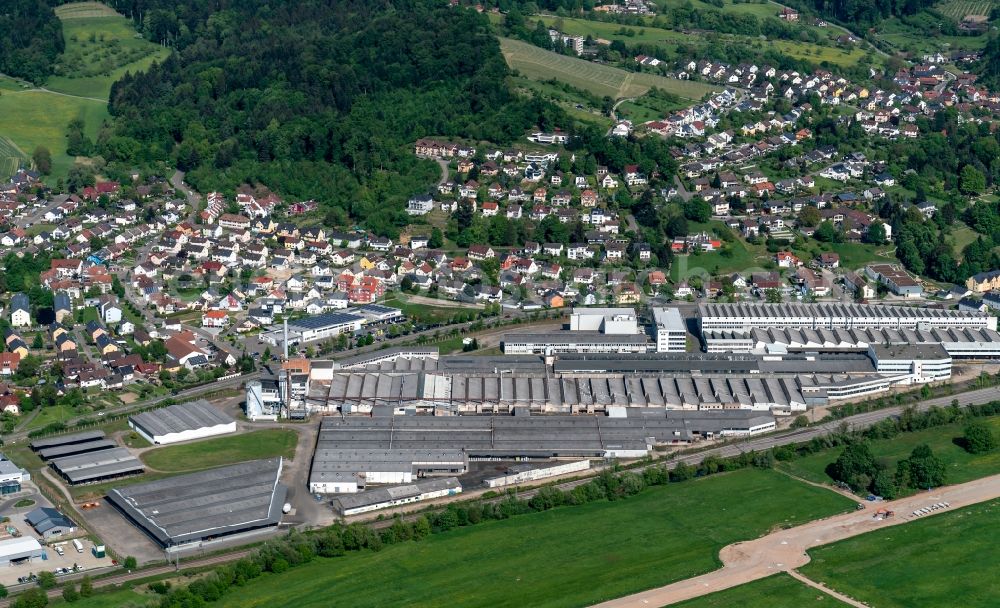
222, 450
961, 466
33, 118
778, 591
945, 560
856, 255
49, 415
601, 80
565, 557
667, 40
101, 46
961, 236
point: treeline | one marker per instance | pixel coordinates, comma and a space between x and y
864, 12
858, 468
317, 99
31, 41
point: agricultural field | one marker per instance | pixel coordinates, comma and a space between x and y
577, 105
12, 158
958, 9
601, 80
960, 466
32, 118
544, 560
777, 591
101, 46
944, 560
221, 451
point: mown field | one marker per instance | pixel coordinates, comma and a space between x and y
220, 451
601, 80
33, 118
778, 591
101, 46
668, 40
948, 559
565, 557
961, 466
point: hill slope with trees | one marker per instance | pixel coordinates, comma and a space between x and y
32, 39
314, 98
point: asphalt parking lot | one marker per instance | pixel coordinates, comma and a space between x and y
51, 560
126, 539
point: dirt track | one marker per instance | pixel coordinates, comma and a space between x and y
785, 550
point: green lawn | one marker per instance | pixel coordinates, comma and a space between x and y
961, 465
33, 118
49, 415
601, 80
570, 556
856, 255
736, 256
222, 450
425, 313
944, 560
101, 46
778, 591
961, 236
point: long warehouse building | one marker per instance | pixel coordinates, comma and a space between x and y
182, 422
353, 452
747, 316
960, 343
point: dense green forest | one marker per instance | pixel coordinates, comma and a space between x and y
864, 12
30, 39
315, 98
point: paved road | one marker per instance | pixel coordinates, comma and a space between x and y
36, 215
785, 550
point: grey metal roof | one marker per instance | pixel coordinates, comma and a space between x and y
325, 320
95, 466
180, 417
206, 504
67, 439
60, 451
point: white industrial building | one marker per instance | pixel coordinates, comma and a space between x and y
591, 331
748, 316
605, 320
19, 551
315, 327
263, 400
395, 496
580, 341
522, 473
182, 422
671, 333
923, 363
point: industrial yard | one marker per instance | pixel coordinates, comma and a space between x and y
313, 441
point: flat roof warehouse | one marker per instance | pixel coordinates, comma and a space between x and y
206, 505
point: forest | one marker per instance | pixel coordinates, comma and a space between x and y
315, 98
862, 12
31, 40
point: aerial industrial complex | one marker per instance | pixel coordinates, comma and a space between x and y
407, 424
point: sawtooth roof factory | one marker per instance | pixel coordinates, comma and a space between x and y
207, 505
